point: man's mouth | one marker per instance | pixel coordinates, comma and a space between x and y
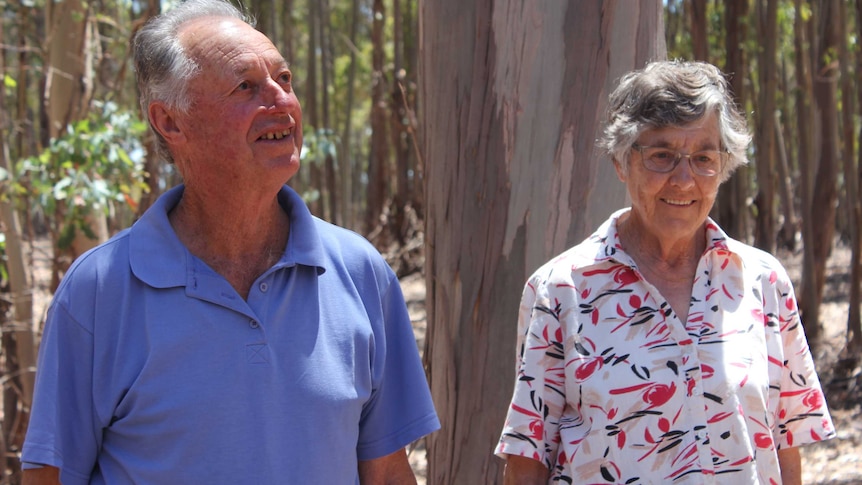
276, 135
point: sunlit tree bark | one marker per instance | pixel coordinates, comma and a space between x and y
510, 111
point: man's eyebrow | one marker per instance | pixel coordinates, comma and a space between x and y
243, 69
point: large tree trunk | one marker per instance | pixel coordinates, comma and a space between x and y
511, 105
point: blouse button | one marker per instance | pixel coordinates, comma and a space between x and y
253, 324
264, 287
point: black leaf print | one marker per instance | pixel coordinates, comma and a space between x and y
522, 437
643, 320
672, 366
674, 444
581, 349
607, 475
621, 358
798, 379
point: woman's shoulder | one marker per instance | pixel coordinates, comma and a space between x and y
757, 261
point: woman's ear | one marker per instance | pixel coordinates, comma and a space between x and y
621, 170
163, 120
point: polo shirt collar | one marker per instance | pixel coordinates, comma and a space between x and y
158, 258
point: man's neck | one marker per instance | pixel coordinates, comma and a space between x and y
238, 241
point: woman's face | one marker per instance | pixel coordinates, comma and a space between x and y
672, 207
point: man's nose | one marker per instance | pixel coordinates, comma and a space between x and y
278, 97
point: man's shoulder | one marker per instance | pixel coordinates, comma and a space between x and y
338, 239
108, 258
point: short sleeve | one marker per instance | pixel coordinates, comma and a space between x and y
400, 410
803, 416
532, 423
62, 431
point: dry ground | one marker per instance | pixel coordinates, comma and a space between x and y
834, 462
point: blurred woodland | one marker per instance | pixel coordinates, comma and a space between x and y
76, 161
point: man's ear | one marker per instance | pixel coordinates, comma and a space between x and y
163, 119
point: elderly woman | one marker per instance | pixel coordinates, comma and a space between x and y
660, 350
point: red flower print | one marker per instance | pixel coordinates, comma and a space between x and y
625, 276
654, 394
763, 441
586, 369
659, 394
537, 429
813, 399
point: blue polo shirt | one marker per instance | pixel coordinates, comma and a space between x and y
153, 370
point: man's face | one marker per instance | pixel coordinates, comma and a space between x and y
244, 126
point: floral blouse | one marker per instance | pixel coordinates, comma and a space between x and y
613, 388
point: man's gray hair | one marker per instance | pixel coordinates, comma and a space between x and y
674, 93
163, 69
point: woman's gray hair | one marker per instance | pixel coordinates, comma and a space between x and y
163, 69
673, 93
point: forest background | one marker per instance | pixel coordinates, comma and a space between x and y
385, 85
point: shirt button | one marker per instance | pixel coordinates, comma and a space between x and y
253, 324
264, 287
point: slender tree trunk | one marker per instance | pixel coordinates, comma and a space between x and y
764, 236
699, 30
824, 198
18, 339
416, 182
852, 178
346, 152
515, 179
730, 212
379, 154
330, 175
787, 234
398, 130
311, 109
806, 125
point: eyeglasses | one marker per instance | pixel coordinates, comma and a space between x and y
707, 163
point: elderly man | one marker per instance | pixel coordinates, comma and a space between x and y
228, 336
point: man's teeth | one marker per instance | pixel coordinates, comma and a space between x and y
677, 202
276, 136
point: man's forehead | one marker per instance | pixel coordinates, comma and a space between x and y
225, 40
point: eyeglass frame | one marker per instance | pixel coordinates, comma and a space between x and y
723, 154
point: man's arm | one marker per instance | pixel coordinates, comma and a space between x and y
790, 463
47, 475
393, 469
524, 471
